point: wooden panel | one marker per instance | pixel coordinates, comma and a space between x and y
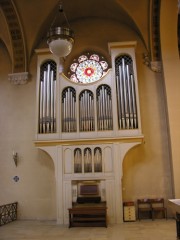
110, 199
67, 199
108, 159
67, 161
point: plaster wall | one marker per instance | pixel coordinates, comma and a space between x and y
171, 63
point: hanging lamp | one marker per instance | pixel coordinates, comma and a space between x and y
60, 38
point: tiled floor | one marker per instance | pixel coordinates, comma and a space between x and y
46, 230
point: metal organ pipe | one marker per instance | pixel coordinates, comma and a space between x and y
47, 113
85, 106
119, 112
104, 107
127, 109
44, 103
104, 100
129, 98
87, 160
77, 161
125, 93
73, 114
134, 103
41, 108
126, 102
122, 98
54, 104
100, 111
82, 113
97, 161
86, 111
68, 111
51, 102
48, 100
92, 113
109, 112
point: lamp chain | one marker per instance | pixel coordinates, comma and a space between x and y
64, 14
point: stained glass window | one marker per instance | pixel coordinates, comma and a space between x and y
88, 68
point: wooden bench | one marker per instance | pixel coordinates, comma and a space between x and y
85, 216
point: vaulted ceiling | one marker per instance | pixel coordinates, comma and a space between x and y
24, 24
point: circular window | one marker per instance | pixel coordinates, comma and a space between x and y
88, 68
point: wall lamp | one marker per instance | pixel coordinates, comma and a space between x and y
15, 157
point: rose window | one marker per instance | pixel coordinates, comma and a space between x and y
88, 68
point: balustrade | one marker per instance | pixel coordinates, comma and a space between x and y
8, 213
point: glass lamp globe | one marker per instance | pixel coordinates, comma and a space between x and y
60, 41
60, 47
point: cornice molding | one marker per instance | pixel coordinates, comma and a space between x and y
45, 143
18, 78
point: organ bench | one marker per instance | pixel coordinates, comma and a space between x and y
84, 215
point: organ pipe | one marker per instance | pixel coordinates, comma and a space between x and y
104, 109
47, 100
86, 111
97, 160
87, 160
77, 161
68, 110
126, 97
41, 108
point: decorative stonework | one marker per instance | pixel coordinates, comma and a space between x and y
155, 66
16, 35
18, 78
155, 32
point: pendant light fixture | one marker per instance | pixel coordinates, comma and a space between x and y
60, 38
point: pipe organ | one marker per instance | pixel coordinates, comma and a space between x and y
89, 107
126, 94
89, 161
88, 127
97, 159
86, 111
77, 160
47, 98
69, 110
104, 108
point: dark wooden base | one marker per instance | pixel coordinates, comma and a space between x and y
88, 216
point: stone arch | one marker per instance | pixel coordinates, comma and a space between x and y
17, 41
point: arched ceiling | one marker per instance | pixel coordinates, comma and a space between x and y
36, 16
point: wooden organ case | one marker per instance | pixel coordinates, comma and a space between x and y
88, 128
